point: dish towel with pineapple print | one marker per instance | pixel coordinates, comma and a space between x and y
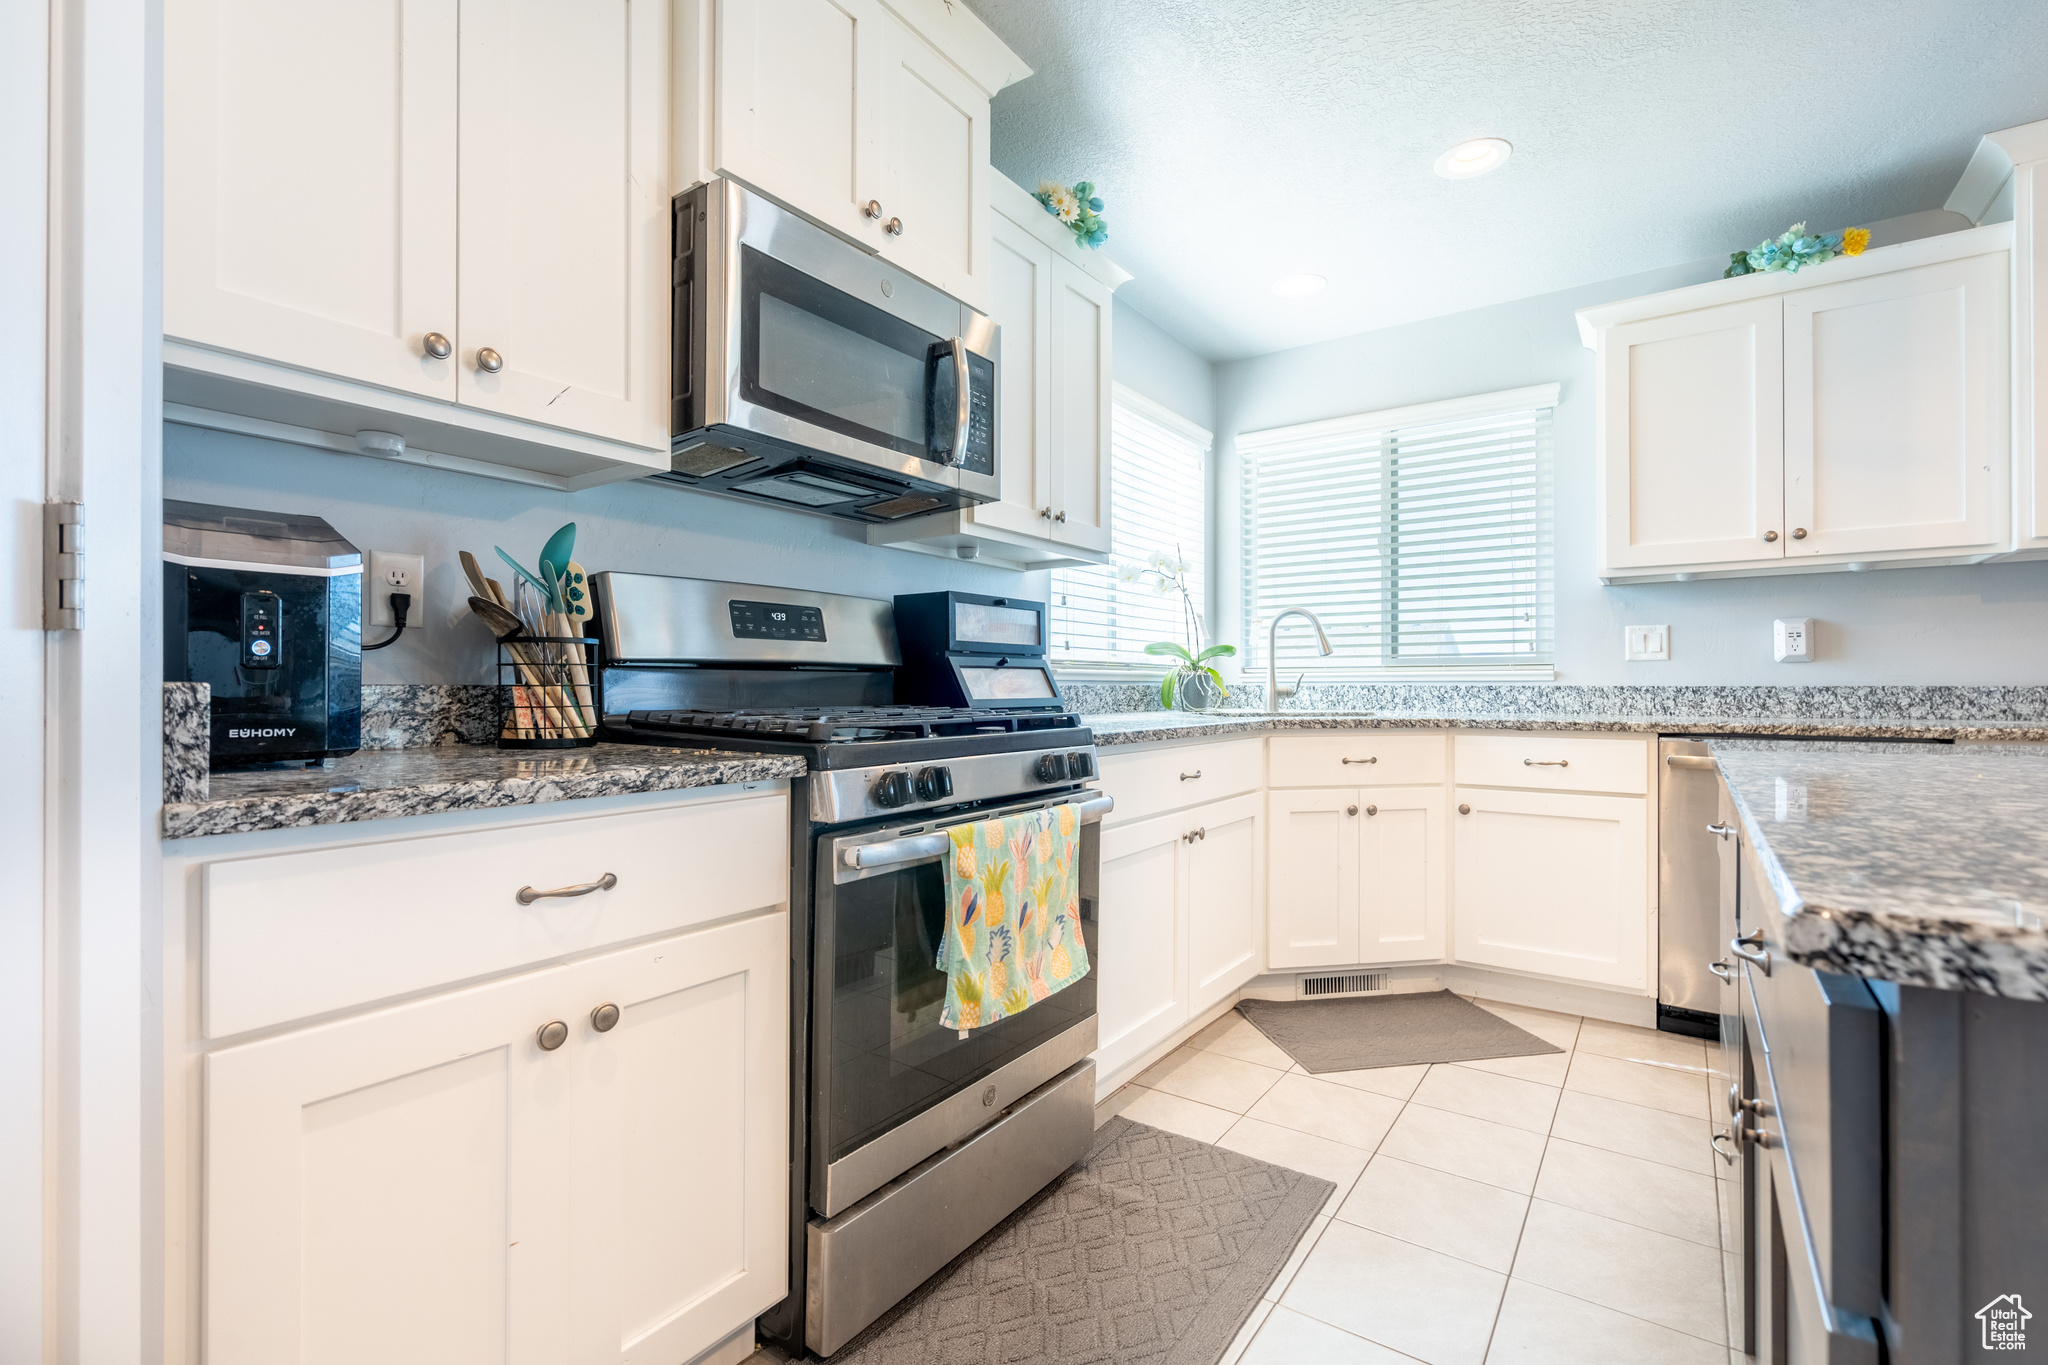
1013, 916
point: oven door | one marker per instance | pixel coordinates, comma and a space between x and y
890, 1085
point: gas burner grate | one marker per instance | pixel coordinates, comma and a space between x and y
849, 724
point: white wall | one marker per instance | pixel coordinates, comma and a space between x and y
1161, 368
1982, 624
635, 526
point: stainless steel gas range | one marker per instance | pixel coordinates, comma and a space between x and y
909, 1140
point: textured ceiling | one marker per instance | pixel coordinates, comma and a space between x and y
1236, 141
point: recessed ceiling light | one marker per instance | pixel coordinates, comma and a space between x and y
1475, 156
1297, 286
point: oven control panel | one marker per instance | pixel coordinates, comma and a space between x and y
842, 794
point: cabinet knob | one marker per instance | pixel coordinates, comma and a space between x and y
1770, 535
1045, 512
1194, 834
1799, 533
605, 1017
894, 227
551, 1035
1062, 517
1351, 810
871, 209
489, 361
1464, 810
1372, 810
436, 346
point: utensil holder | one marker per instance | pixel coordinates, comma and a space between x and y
547, 697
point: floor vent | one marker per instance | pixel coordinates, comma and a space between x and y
1357, 983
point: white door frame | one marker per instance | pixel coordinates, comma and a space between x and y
80, 347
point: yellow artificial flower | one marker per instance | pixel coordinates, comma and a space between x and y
1854, 240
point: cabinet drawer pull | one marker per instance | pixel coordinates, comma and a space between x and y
1725, 831
1715, 1142
1546, 763
1719, 967
1464, 810
1189, 777
1751, 950
436, 346
1373, 759
527, 895
551, 1035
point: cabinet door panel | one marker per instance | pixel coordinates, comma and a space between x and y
1692, 439
1141, 989
1553, 883
310, 184
796, 103
1400, 874
1081, 406
1896, 416
1020, 300
565, 214
1223, 887
1312, 879
933, 149
682, 1142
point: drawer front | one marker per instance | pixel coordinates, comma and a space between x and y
1184, 775
1552, 762
1364, 758
298, 934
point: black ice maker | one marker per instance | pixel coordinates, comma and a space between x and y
267, 608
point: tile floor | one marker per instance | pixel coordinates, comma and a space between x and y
1560, 1208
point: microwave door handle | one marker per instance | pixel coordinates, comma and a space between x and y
963, 401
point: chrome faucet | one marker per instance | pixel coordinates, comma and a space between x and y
1273, 692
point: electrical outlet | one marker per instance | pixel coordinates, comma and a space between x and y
392, 572
1646, 642
1792, 640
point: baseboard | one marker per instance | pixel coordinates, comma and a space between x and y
733, 1349
1105, 1086
1594, 1002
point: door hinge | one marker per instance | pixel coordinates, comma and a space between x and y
63, 565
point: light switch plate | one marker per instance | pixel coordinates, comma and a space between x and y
1646, 642
1792, 640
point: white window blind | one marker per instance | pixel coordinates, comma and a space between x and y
1420, 537
1103, 617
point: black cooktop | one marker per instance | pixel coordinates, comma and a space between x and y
854, 736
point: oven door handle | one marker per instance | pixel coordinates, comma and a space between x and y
918, 847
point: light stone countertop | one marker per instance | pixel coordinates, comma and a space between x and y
383, 784
1151, 727
1921, 864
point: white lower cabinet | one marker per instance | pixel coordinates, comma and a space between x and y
1357, 876
1179, 927
1553, 882
427, 1183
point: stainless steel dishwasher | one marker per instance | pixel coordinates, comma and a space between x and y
1689, 932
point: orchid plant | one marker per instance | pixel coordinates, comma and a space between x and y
1192, 672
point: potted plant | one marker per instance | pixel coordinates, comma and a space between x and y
1193, 684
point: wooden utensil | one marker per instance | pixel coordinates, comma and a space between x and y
554, 704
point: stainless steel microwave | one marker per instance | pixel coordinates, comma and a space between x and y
813, 374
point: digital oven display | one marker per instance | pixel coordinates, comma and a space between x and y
776, 621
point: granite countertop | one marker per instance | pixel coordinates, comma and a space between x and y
383, 784
1921, 864
1147, 727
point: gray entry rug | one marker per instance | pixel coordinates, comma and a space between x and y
1363, 1032
1152, 1250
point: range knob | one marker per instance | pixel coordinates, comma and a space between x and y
1051, 768
891, 789
935, 784
1080, 765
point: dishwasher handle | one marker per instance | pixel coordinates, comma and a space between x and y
1696, 762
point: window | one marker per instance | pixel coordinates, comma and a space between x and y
1420, 536
1103, 617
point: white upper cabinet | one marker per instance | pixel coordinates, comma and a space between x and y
1854, 414
1053, 300
1691, 423
868, 116
565, 215
310, 185
446, 219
